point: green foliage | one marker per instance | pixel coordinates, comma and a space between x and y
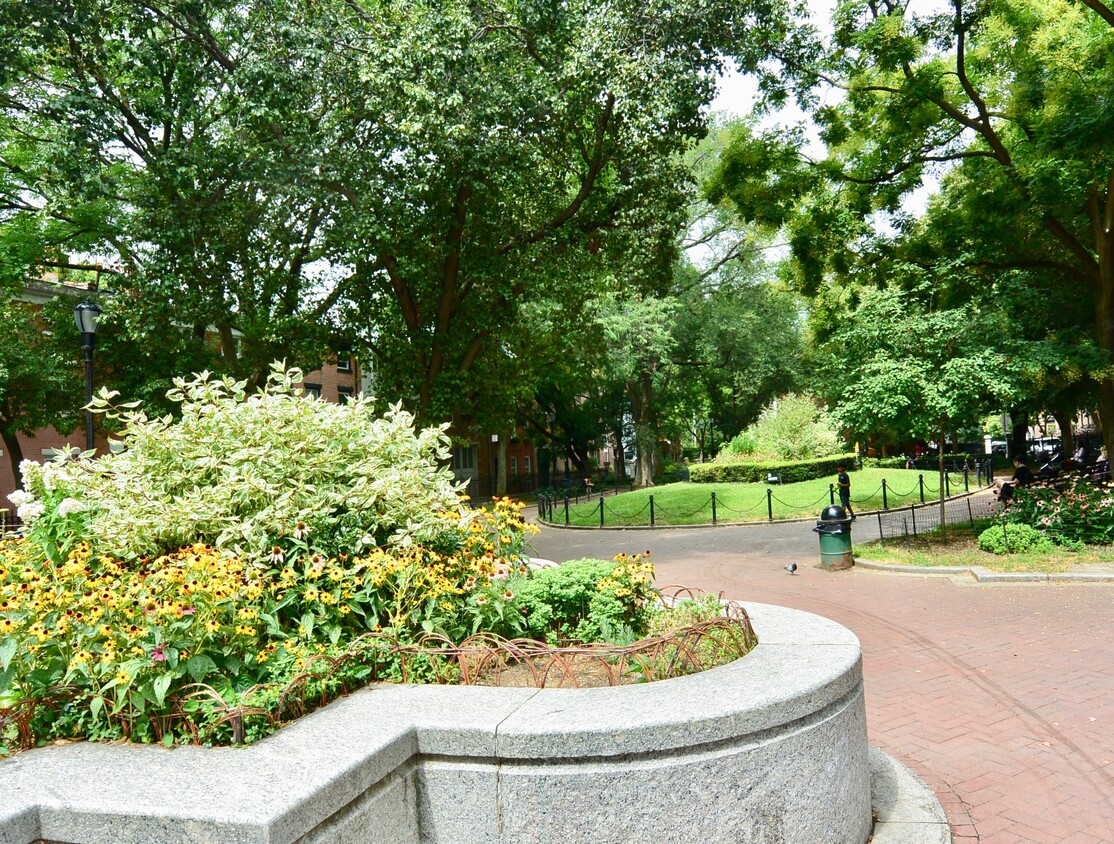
242, 471
792, 428
588, 600
897, 364
758, 471
1013, 538
39, 384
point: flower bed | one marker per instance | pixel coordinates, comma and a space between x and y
261, 556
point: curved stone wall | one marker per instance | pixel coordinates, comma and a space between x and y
771, 749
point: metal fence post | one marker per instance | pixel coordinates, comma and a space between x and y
966, 479
947, 484
651, 511
913, 513
831, 493
566, 508
885, 498
920, 481
770, 502
881, 535
601, 509
713, 506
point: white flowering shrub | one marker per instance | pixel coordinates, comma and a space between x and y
246, 472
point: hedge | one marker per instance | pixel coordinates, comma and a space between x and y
926, 462
790, 471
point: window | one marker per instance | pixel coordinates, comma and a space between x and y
526, 467
344, 361
464, 459
312, 390
514, 467
344, 394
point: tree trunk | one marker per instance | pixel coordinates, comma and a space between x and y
1101, 209
645, 428
620, 457
15, 453
1064, 419
1019, 432
501, 465
943, 490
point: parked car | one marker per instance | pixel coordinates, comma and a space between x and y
1044, 449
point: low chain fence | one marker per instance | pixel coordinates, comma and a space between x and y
593, 510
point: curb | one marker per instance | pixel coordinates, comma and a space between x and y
905, 809
983, 575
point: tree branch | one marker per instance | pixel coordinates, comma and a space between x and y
1102, 10
595, 165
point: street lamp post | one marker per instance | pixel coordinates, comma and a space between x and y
86, 316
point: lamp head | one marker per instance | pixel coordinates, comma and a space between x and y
87, 317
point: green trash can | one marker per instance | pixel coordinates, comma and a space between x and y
834, 528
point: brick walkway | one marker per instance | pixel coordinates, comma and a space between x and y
1001, 697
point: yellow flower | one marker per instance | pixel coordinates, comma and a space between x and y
245, 630
122, 677
212, 625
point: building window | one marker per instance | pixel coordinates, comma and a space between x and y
344, 394
514, 467
312, 390
526, 467
464, 459
344, 361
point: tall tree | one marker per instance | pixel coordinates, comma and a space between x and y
900, 365
413, 170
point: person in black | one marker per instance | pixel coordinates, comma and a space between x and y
1022, 477
845, 490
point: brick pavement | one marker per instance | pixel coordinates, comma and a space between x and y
1001, 697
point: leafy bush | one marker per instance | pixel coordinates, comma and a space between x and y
241, 472
792, 428
588, 600
1080, 512
1013, 539
758, 471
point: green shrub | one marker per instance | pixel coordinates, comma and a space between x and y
1013, 539
758, 471
792, 428
240, 471
587, 600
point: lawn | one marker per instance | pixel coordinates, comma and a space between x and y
691, 504
963, 551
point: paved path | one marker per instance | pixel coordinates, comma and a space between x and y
1001, 697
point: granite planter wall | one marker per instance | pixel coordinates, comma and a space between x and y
771, 748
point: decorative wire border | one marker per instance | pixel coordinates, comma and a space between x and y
483, 659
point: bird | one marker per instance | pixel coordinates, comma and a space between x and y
791, 568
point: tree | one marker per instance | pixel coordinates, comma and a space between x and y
898, 364
1015, 92
408, 172
639, 345
39, 386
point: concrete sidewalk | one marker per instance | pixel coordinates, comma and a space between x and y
1000, 696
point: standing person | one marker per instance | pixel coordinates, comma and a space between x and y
845, 489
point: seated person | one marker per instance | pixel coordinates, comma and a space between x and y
1022, 477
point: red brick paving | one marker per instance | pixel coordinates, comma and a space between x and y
1001, 697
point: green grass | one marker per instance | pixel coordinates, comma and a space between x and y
964, 552
690, 504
